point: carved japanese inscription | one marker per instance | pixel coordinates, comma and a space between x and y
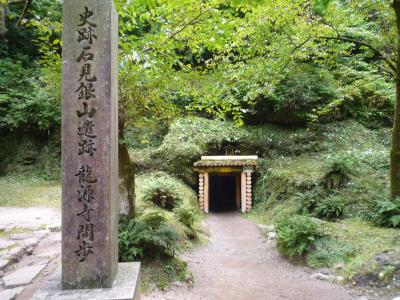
87, 138
89, 144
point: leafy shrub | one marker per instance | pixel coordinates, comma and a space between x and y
296, 234
330, 208
386, 213
305, 87
24, 102
163, 194
307, 201
154, 219
132, 235
137, 240
186, 216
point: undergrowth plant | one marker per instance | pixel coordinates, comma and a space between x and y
296, 234
187, 216
138, 240
330, 208
307, 201
386, 212
162, 194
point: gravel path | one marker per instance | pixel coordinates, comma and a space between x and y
239, 264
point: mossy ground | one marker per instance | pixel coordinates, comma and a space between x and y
22, 191
353, 241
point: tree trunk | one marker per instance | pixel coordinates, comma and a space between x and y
3, 28
126, 192
395, 152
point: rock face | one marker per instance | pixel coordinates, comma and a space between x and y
16, 253
324, 277
271, 236
22, 276
4, 244
265, 229
90, 144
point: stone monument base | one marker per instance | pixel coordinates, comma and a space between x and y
126, 287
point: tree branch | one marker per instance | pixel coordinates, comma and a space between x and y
381, 55
28, 4
182, 28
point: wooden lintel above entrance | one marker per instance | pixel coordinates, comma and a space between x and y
219, 170
226, 161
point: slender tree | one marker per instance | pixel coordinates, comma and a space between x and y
395, 152
3, 28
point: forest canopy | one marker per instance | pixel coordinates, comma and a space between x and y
288, 62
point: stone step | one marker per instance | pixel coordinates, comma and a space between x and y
22, 276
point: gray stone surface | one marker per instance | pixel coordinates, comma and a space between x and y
41, 234
49, 255
271, 236
22, 276
21, 236
10, 294
89, 144
4, 244
125, 287
15, 254
324, 277
265, 229
30, 242
4, 263
44, 262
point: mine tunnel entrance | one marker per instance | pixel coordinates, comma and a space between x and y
224, 192
226, 182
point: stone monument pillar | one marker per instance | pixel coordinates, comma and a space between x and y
90, 207
89, 144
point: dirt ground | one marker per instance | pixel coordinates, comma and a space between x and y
239, 264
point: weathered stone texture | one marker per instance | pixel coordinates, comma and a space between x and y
22, 276
90, 87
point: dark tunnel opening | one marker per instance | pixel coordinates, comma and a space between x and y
224, 193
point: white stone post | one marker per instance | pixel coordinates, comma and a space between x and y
249, 198
201, 191
206, 192
244, 192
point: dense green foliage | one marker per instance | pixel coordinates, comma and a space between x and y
386, 212
330, 208
296, 235
303, 62
162, 194
138, 240
158, 234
